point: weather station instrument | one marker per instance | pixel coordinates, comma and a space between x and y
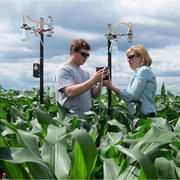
40, 28
112, 38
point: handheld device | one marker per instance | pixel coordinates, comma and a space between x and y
106, 68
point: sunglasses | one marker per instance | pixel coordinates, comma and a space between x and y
132, 56
84, 54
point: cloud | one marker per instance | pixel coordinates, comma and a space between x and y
70, 34
155, 9
155, 21
154, 26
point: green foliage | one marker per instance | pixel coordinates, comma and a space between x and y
84, 156
42, 141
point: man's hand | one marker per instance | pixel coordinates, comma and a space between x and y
99, 75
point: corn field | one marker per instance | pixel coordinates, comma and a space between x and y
39, 141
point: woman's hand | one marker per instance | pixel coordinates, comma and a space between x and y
109, 85
108, 82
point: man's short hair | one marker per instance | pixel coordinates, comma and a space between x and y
78, 44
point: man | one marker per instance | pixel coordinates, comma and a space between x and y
74, 87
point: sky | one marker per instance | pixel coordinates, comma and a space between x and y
155, 26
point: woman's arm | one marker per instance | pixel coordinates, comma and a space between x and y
109, 85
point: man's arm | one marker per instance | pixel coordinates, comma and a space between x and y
78, 89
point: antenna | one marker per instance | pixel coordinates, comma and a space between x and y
24, 35
50, 26
130, 35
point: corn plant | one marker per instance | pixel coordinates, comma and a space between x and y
44, 142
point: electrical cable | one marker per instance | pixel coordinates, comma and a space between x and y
37, 35
39, 38
24, 15
101, 86
129, 26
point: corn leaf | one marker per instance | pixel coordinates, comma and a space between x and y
84, 156
44, 119
142, 159
110, 168
54, 151
15, 171
166, 169
2, 112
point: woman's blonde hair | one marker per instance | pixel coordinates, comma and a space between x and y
142, 52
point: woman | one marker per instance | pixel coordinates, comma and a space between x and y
142, 86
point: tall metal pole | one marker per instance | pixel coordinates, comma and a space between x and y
109, 65
41, 61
